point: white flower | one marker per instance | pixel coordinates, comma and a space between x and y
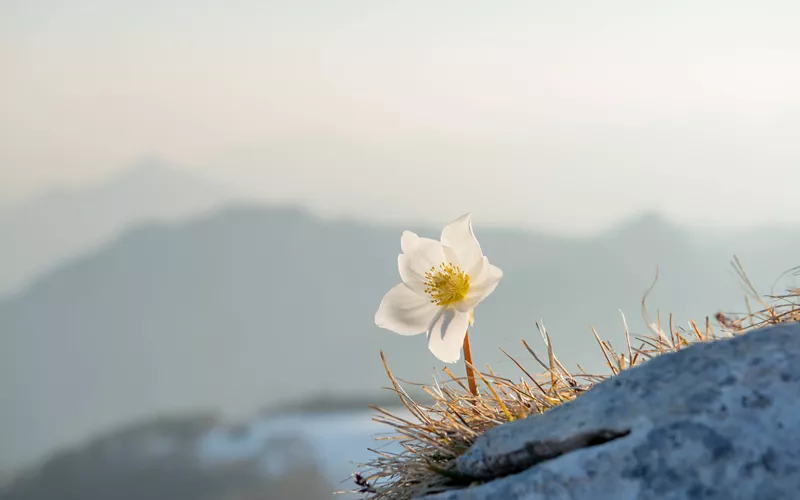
443, 281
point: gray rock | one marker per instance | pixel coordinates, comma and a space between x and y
713, 421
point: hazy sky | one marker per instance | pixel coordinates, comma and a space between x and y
564, 115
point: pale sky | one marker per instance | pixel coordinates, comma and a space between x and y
560, 115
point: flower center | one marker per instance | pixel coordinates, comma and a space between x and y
446, 285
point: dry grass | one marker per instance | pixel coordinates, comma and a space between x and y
437, 433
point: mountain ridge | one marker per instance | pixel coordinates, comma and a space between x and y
60, 223
251, 306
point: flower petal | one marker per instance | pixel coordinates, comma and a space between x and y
459, 236
413, 266
483, 283
405, 312
447, 334
409, 241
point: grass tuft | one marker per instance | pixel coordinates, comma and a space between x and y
441, 430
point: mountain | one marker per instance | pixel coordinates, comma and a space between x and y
159, 459
254, 306
41, 232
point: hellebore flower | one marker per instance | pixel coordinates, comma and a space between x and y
443, 281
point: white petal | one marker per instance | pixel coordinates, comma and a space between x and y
413, 266
482, 283
405, 312
477, 273
447, 334
458, 235
452, 257
409, 241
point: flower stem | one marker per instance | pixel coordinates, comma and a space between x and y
473, 387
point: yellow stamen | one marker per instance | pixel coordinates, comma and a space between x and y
446, 285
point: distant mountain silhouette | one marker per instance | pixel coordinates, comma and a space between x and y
39, 233
157, 459
257, 306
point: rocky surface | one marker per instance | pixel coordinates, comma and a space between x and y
713, 421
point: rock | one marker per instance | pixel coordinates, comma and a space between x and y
713, 421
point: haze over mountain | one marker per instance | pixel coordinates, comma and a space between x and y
62, 223
255, 306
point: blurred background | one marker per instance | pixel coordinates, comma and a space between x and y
201, 206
